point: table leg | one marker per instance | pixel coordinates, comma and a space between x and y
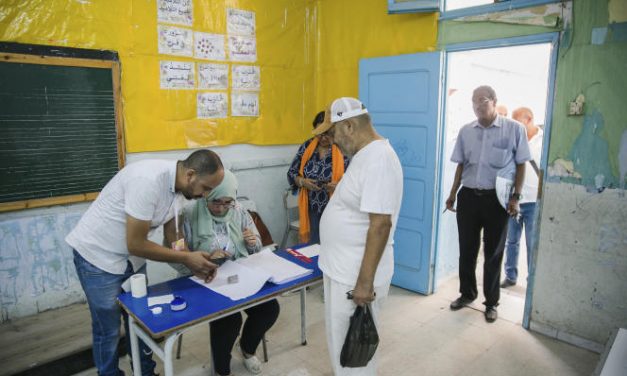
137, 370
168, 366
303, 316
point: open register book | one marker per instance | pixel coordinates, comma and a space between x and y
252, 273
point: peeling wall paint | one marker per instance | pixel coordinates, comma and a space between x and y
581, 265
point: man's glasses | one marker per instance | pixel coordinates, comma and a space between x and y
226, 205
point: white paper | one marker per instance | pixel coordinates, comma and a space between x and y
310, 250
175, 40
213, 76
163, 299
175, 11
240, 22
209, 46
244, 104
212, 105
242, 48
177, 75
250, 281
280, 269
245, 77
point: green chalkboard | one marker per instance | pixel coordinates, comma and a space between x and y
58, 132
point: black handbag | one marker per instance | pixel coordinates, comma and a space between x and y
361, 340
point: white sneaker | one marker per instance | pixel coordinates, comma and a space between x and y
252, 364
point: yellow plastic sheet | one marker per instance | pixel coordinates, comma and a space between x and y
307, 50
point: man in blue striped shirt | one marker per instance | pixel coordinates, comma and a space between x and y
483, 148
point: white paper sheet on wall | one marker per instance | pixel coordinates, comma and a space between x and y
209, 46
244, 104
177, 75
174, 40
240, 22
178, 12
245, 77
213, 76
242, 48
211, 105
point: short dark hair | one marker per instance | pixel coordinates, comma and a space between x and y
203, 161
319, 119
489, 90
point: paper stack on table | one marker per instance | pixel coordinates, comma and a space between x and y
310, 250
252, 273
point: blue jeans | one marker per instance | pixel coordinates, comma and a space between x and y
101, 289
514, 231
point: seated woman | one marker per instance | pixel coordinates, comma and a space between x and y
316, 169
224, 229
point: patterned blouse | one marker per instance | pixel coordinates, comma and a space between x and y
318, 169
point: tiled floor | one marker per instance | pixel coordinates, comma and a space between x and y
419, 336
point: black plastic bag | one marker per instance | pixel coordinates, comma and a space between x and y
361, 340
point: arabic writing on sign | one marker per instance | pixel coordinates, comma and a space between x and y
209, 46
211, 105
245, 77
242, 48
175, 11
244, 104
240, 22
213, 76
177, 75
174, 40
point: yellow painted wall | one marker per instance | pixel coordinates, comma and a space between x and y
353, 29
157, 119
308, 51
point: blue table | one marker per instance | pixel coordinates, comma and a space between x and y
203, 306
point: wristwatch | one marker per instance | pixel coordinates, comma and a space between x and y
516, 196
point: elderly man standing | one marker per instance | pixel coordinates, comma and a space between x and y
358, 224
527, 203
111, 243
484, 147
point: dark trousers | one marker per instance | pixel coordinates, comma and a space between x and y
225, 330
478, 210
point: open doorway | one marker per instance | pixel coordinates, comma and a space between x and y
520, 77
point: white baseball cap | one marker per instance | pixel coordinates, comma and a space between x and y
340, 109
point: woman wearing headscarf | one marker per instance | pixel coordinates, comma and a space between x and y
316, 169
221, 227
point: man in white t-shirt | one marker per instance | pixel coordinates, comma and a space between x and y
529, 193
357, 226
110, 241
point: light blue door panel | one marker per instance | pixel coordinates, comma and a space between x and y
401, 94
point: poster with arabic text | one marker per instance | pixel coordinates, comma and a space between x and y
240, 22
174, 40
177, 75
242, 48
211, 105
179, 12
213, 76
245, 77
244, 104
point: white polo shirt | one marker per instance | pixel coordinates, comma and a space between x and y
373, 183
144, 190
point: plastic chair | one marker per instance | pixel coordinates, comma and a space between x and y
292, 223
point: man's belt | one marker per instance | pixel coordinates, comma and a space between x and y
481, 192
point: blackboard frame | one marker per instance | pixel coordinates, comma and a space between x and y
68, 57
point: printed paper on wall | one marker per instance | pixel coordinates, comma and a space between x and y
244, 104
212, 105
177, 75
240, 22
245, 77
209, 46
213, 76
178, 12
175, 40
242, 48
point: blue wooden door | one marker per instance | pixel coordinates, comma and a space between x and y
402, 95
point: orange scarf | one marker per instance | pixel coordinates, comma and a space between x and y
337, 170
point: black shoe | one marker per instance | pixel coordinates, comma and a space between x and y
490, 314
460, 303
507, 283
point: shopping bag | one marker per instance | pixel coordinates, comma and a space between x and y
361, 340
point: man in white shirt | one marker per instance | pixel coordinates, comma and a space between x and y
110, 241
527, 202
358, 224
